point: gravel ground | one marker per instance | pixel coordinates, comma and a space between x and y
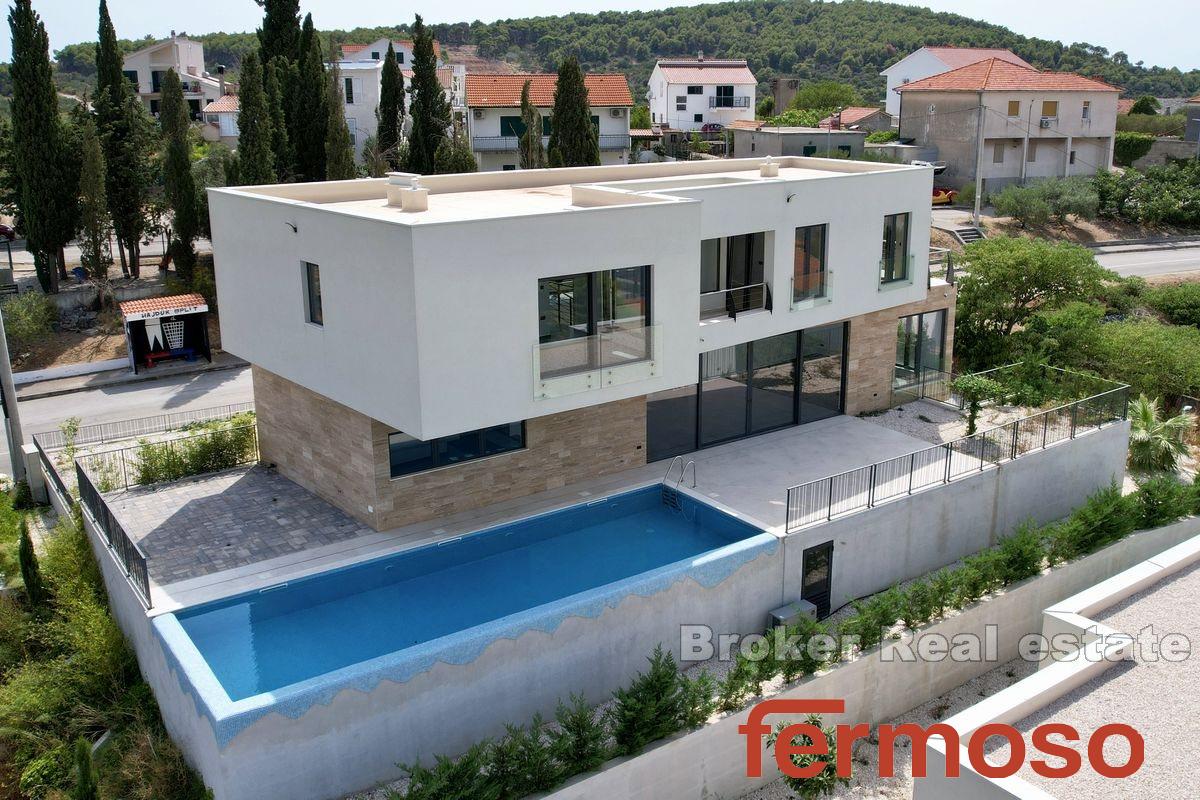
866, 782
937, 423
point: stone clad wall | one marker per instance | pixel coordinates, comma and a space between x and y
872, 351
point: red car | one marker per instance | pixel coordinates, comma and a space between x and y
712, 127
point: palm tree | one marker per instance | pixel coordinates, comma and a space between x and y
1156, 444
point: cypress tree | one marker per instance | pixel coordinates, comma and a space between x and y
339, 152
390, 113
430, 111
533, 154
179, 184
46, 168
574, 140
31, 573
310, 113
277, 73
86, 784
454, 155
279, 35
127, 137
95, 229
255, 155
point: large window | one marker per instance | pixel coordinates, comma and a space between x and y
894, 265
732, 274
724, 97
593, 319
131, 75
751, 388
695, 90
312, 294
407, 455
921, 343
808, 265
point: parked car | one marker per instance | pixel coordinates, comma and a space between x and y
7, 233
943, 196
712, 127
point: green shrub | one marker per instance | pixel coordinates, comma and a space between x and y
974, 390
581, 742
50, 769
1069, 197
738, 685
874, 617
650, 708
1122, 296
882, 137
1129, 146
827, 780
1025, 204
805, 662
1162, 500
207, 451
1180, 303
521, 763
1156, 443
699, 698
85, 772
28, 318
920, 604
31, 574
1106, 517
942, 587
1155, 125
1021, 554
459, 778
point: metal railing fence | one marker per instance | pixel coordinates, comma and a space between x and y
135, 428
124, 549
172, 459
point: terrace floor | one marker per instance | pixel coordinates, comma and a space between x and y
250, 527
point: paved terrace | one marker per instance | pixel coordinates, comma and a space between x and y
250, 527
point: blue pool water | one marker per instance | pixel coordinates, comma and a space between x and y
263, 641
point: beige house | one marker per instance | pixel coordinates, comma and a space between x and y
146, 68
1010, 123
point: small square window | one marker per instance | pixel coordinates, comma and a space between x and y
998, 153
698, 118
1014, 108
374, 55
312, 294
695, 90
1087, 109
1050, 108
399, 56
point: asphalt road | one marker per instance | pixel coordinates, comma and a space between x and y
1128, 261
141, 399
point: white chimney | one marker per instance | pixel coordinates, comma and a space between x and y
768, 169
700, 55
413, 198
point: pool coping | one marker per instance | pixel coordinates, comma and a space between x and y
230, 717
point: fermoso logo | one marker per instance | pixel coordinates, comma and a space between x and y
787, 746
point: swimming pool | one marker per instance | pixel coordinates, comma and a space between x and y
287, 647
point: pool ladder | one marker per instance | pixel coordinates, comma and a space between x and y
670, 493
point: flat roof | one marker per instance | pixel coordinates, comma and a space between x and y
797, 129
489, 195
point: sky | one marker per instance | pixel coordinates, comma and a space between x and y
1148, 37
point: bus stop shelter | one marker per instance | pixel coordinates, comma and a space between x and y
164, 328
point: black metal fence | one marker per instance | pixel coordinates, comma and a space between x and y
134, 428
50, 470
865, 487
172, 459
125, 550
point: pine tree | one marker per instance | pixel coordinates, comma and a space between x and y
339, 152
95, 228
279, 35
31, 573
47, 170
179, 184
309, 111
126, 136
390, 112
430, 111
574, 140
454, 155
277, 75
254, 125
533, 154
86, 784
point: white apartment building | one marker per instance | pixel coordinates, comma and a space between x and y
688, 94
146, 68
674, 306
1034, 124
929, 61
494, 115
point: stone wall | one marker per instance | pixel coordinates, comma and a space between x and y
872, 350
342, 456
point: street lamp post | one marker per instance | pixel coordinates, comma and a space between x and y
12, 418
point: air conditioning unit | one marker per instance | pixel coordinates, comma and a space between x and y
616, 112
477, 113
1046, 121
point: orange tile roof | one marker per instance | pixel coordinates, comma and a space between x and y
644, 133
747, 124
350, 49
228, 102
1195, 99
162, 305
504, 91
955, 57
445, 76
707, 71
853, 115
1125, 105
996, 75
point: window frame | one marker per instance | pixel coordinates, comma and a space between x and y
309, 270
806, 232
695, 89
1050, 104
1014, 109
1086, 114
348, 90
998, 153
888, 273
437, 453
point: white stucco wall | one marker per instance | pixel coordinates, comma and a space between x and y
913, 67
661, 97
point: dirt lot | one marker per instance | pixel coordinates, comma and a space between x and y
1077, 230
70, 347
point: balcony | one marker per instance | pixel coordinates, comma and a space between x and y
731, 302
509, 144
615, 356
741, 101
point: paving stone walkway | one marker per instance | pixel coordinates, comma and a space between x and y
218, 522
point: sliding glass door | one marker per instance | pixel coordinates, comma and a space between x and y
823, 372
724, 404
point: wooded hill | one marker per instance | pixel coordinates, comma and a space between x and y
846, 41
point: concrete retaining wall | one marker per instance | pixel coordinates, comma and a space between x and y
711, 762
1164, 150
917, 534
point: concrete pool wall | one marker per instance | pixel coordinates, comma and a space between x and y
354, 738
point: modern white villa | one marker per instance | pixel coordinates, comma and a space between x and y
146, 67
689, 93
494, 115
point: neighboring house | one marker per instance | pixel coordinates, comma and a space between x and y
1192, 109
690, 93
220, 121
579, 302
1125, 105
764, 140
147, 67
859, 118
494, 115
377, 51
929, 61
1035, 124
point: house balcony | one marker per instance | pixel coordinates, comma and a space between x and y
731, 302
614, 356
741, 101
509, 144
